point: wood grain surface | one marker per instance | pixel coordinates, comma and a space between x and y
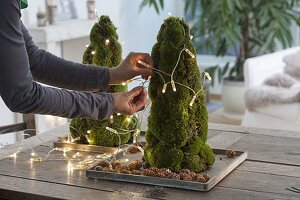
273, 165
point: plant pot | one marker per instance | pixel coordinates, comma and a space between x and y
233, 99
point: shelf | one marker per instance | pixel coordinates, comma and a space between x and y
61, 31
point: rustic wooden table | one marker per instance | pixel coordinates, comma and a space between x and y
273, 165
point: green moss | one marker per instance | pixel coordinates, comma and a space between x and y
148, 156
78, 129
194, 163
88, 55
103, 30
207, 155
109, 54
106, 138
174, 126
134, 122
163, 156
151, 139
193, 146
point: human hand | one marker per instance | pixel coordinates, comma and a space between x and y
130, 68
130, 102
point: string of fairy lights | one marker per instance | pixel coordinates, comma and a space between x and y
76, 160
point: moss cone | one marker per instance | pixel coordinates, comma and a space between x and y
177, 133
104, 50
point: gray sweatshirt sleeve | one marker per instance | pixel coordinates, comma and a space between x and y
52, 70
22, 94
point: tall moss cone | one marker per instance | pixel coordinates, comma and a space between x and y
104, 50
177, 133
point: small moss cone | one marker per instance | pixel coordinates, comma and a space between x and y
104, 50
177, 133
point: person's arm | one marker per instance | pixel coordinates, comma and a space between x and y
52, 70
22, 94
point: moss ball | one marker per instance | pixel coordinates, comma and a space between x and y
164, 157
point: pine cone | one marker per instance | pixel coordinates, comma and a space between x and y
185, 177
184, 171
125, 171
230, 153
199, 178
174, 176
133, 149
105, 163
206, 177
148, 172
136, 172
135, 165
116, 165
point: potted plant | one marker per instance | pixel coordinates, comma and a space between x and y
246, 28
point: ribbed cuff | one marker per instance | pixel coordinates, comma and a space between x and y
107, 106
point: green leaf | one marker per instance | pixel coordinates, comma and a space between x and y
143, 4
161, 3
225, 69
217, 27
152, 3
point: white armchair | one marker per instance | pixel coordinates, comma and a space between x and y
274, 116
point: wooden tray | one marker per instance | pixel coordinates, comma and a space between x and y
221, 168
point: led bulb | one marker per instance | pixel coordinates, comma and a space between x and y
128, 119
112, 130
144, 64
164, 88
88, 132
123, 42
169, 13
193, 100
141, 150
207, 76
96, 12
173, 85
118, 114
107, 42
39, 159
191, 37
127, 82
75, 155
65, 155
33, 154
124, 160
87, 138
93, 52
111, 117
190, 53
136, 135
14, 155
87, 46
